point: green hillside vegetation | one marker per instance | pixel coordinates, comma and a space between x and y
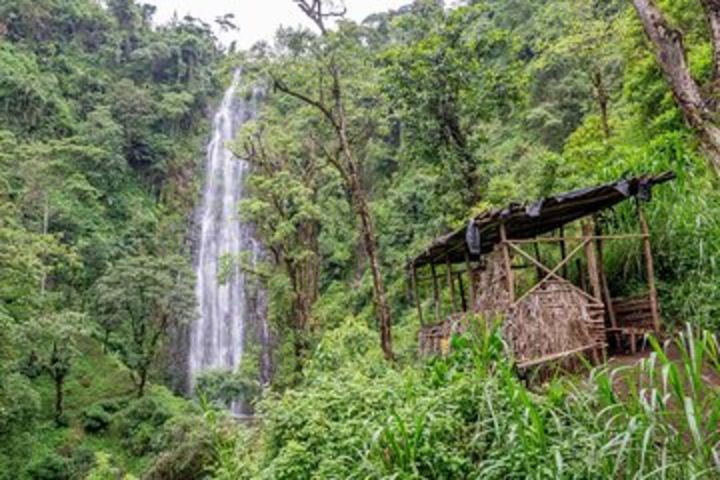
372, 139
102, 121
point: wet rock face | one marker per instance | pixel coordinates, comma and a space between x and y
231, 307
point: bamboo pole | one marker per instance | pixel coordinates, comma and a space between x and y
538, 270
650, 268
418, 304
563, 251
603, 277
436, 293
462, 292
508, 262
451, 283
562, 240
471, 279
551, 273
592, 262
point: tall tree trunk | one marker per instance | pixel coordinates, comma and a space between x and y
603, 99
671, 55
57, 373
59, 399
142, 382
456, 137
382, 310
314, 9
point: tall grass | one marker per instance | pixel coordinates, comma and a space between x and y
470, 416
661, 417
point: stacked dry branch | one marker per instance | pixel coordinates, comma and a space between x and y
554, 320
492, 298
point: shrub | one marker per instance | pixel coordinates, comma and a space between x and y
140, 421
82, 461
95, 419
186, 449
50, 467
112, 405
469, 416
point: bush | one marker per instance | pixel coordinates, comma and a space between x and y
469, 416
112, 405
82, 461
95, 419
140, 421
143, 410
186, 450
50, 467
104, 469
19, 404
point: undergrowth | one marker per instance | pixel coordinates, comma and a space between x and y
471, 416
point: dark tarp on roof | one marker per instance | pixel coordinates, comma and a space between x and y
530, 220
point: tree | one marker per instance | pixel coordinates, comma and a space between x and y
335, 55
698, 103
144, 296
576, 39
286, 207
51, 343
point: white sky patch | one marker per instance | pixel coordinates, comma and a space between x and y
258, 19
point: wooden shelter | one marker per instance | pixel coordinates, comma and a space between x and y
539, 267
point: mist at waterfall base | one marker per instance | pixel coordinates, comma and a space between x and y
231, 309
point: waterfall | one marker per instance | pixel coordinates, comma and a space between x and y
229, 309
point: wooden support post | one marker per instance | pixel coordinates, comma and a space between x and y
592, 262
603, 278
451, 283
471, 280
563, 251
436, 292
538, 270
463, 301
650, 268
581, 275
418, 303
508, 262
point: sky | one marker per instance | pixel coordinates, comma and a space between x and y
258, 19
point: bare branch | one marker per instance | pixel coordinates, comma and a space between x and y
332, 159
279, 84
313, 9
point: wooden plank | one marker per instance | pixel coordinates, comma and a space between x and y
636, 317
556, 356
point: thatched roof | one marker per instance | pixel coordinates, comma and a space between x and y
528, 220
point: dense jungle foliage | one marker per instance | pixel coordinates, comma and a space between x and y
372, 139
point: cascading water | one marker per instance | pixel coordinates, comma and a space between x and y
228, 306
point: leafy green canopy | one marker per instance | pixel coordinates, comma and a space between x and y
102, 122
